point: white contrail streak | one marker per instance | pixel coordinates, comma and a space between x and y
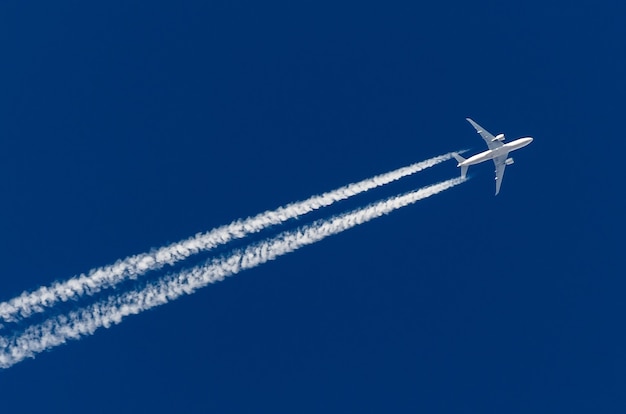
86, 321
97, 279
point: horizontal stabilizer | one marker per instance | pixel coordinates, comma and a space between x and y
460, 160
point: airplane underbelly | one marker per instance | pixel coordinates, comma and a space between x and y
478, 158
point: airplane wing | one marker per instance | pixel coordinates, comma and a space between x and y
489, 139
500, 166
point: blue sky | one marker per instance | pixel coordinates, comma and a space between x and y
128, 125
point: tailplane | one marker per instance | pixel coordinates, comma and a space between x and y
460, 160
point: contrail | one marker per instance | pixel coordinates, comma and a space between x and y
76, 324
100, 278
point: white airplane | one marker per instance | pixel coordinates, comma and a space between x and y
498, 152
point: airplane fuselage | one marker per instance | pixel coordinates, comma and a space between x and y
496, 152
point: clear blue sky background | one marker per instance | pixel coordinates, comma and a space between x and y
129, 124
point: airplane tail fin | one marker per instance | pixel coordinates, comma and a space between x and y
460, 159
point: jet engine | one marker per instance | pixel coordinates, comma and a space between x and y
509, 161
499, 137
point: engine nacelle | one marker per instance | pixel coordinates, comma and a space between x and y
499, 137
509, 161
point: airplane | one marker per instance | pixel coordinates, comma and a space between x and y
498, 152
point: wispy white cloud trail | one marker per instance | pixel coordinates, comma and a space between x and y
94, 281
86, 321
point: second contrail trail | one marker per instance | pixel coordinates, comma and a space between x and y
86, 321
29, 303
